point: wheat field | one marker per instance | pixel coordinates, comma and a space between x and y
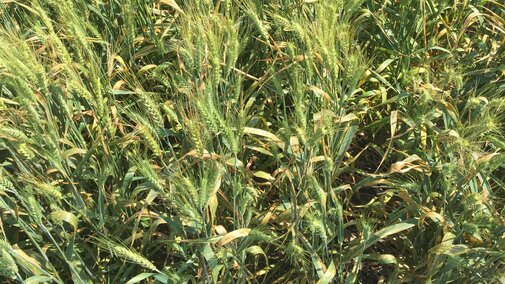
252, 141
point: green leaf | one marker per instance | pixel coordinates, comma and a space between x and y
382, 258
140, 277
38, 279
388, 231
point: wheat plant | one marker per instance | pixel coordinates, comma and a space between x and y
252, 141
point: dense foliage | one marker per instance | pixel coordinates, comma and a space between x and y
237, 141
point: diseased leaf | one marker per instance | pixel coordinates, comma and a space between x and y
239, 233
64, 216
328, 275
172, 4
264, 175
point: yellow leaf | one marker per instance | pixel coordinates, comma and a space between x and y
319, 116
318, 91
239, 233
27, 261
64, 216
295, 145
262, 133
72, 152
235, 163
147, 68
347, 118
328, 275
412, 162
317, 159
263, 175
173, 4
449, 249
